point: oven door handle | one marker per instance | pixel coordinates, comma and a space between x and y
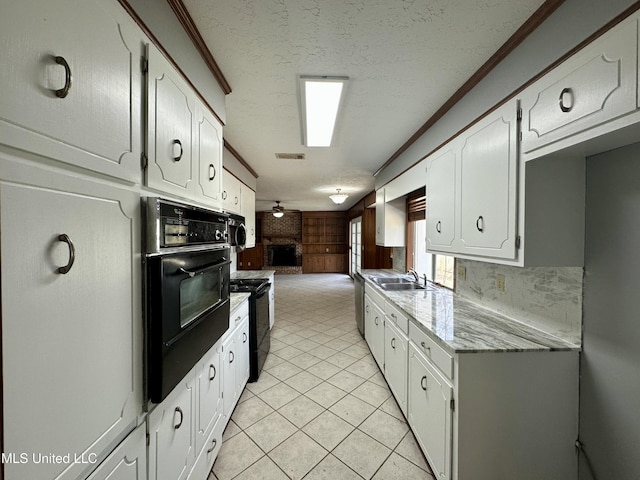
200, 271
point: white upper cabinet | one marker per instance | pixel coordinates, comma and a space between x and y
472, 186
231, 193
72, 84
594, 86
391, 217
441, 190
209, 153
488, 185
171, 107
249, 214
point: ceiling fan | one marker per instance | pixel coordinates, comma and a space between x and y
278, 210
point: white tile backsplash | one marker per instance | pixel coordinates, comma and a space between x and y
546, 298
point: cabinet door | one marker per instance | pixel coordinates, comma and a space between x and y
395, 363
430, 412
441, 190
71, 342
209, 154
488, 186
94, 49
229, 368
171, 107
128, 461
242, 351
593, 86
171, 449
249, 214
209, 400
380, 206
231, 187
374, 330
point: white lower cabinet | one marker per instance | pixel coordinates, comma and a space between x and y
235, 359
171, 433
128, 461
395, 362
71, 318
374, 328
430, 412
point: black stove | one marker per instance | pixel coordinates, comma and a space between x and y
259, 330
248, 285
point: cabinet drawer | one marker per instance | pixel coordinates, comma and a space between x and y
397, 317
595, 85
434, 352
375, 296
236, 316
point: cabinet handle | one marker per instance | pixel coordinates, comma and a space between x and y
375, 321
393, 315
244, 337
179, 143
178, 410
238, 318
224, 194
72, 253
563, 107
366, 309
423, 383
236, 200
64, 91
424, 346
213, 445
211, 377
393, 343
212, 172
480, 223
439, 227
231, 356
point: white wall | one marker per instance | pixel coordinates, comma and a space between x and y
610, 361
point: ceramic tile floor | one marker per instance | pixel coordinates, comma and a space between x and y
321, 408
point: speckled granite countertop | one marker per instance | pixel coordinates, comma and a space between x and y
237, 299
250, 274
461, 326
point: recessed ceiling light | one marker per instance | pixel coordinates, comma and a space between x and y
320, 100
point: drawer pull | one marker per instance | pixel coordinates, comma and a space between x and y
64, 91
423, 383
231, 356
238, 318
213, 445
439, 227
212, 375
72, 254
366, 308
563, 107
244, 337
424, 346
178, 156
393, 343
480, 224
393, 315
376, 321
179, 424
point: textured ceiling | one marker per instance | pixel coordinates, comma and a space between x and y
404, 60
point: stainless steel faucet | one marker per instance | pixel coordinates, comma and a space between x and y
414, 274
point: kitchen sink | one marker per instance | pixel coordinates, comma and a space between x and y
394, 280
401, 286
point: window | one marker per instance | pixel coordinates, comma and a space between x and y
438, 268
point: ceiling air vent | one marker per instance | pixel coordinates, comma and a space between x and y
290, 156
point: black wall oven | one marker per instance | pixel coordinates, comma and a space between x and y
237, 232
187, 270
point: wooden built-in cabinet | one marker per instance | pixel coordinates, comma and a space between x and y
324, 242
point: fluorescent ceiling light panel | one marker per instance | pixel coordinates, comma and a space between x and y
321, 98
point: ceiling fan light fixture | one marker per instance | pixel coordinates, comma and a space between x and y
278, 214
338, 198
321, 97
